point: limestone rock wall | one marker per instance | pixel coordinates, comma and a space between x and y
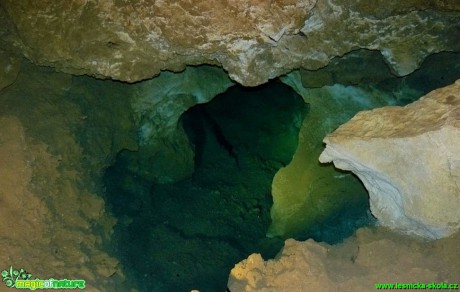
55, 139
372, 256
9, 60
9, 69
408, 158
252, 40
165, 154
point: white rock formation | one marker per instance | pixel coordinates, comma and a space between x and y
408, 159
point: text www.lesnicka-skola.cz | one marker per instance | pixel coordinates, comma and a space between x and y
415, 285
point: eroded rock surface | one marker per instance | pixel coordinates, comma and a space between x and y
9, 69
165, 154
408, 159
55, 140
252, 40
372, 256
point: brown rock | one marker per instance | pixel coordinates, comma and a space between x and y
252, 40
372, 256
55, 139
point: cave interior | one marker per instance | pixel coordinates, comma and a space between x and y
188, 233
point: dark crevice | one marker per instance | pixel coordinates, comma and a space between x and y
200, 124
200, 227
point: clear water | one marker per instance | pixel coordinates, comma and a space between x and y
189, 234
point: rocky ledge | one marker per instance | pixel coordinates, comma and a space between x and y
371, 257
408, 159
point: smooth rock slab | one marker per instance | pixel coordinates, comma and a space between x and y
408, 159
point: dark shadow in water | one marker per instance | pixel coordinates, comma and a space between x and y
188, 235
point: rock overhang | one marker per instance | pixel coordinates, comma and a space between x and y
407, 159
254, 41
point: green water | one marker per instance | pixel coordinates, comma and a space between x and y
189, 234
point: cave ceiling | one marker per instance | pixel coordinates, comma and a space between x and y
253, 40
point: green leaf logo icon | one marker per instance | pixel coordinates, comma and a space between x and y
10, 277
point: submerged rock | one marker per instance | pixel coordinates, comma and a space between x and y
305, 193
408, 159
